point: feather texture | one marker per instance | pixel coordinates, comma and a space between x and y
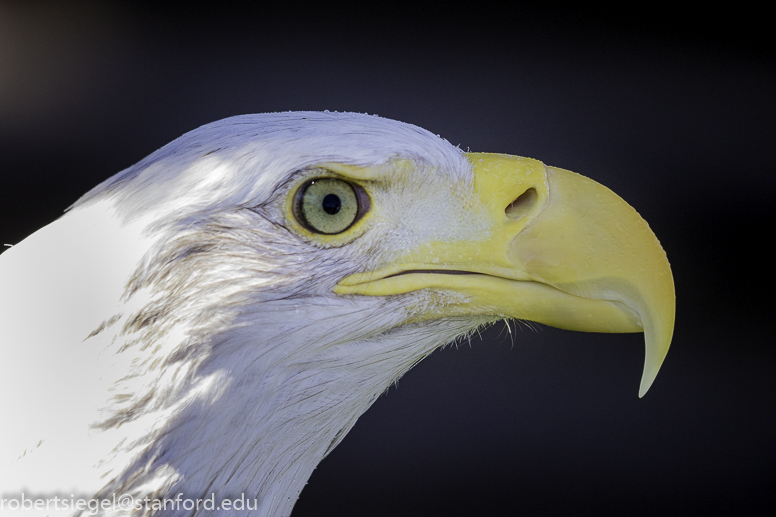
171, 334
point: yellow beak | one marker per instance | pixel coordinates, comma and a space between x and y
562, 250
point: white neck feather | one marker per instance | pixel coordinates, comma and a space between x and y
285, 399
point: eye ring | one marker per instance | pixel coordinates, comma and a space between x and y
329, 206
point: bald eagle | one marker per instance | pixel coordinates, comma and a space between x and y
215, 318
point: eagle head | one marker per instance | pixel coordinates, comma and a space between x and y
215, 318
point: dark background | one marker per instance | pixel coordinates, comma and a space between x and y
674, 112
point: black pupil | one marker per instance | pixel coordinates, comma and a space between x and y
332, 204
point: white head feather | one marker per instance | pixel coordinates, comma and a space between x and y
170, 334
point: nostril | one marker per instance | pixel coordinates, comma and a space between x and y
522, 205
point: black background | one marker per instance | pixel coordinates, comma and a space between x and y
674, 112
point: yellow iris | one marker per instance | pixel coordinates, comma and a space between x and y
327, 205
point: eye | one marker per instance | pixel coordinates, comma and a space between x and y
329, 205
